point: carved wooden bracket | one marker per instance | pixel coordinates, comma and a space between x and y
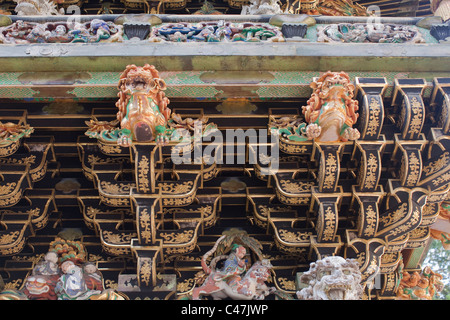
369, 93
435, 173
326, 207
320, 250
18, 229
369, 164
440, 101
145, 157
329, 165
368, 252
389, 283
410, 153
407, 97
14, 179
368, 211
404, 211
147, 258
146, 208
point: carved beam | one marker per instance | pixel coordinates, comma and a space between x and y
14, 179
436, 169
18, 228
38, 151
325, 242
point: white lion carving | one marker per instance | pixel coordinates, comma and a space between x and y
332, 278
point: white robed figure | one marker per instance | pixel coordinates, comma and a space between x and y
71, 285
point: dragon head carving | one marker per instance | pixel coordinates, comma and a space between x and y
332, 278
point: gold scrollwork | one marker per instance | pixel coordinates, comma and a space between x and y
326, 224
118, 238
186, 285
329, 230
176, 188
296, 187
370, 221
177, 202
408, 226
413, 174
437, 165
291, 148
116, 188
145, 270
177, 237
143, 170
7, 188
369, 177
415, 125
26, 160
10, 149
9, 238
395, 216
328, 174
145, 231
285, 284
110, 148
290, 236
11, 200
296, 200
374, 117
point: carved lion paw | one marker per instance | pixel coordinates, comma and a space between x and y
313, 130
351, 134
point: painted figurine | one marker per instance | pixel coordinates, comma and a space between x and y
419, 286
63, 274
49, 266
234, 280
92, 277
234, 266
41, 284
71, 284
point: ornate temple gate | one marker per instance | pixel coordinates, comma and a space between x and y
150, 220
